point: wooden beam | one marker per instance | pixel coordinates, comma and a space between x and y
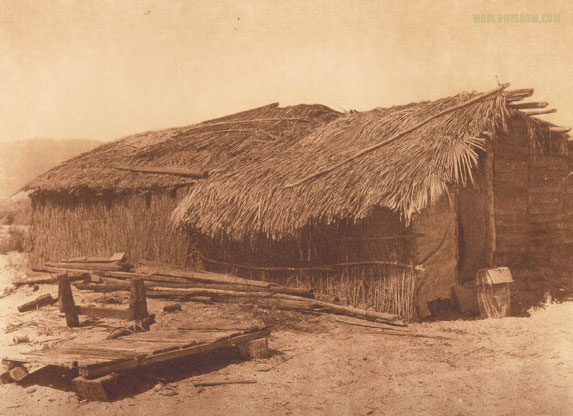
279, 301
53, 280
560, 130
101, 389
516, 95
537, 113
521, 106
188, 278
94, 312
90, 266
189, 173
37, 303
117, 257
490, 231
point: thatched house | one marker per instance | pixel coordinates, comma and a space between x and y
354, 204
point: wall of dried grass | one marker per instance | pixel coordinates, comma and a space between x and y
386, 288
137, 223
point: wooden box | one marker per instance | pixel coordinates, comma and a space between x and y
493, 292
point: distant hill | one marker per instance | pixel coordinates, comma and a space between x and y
23, 160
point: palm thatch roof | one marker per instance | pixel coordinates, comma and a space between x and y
403, 158
274, 170
210, 146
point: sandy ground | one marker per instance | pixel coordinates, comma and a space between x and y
511, 366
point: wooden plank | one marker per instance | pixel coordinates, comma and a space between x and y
101, 389
512, 151
544, 218
93, 350
552, 162
88, 266
504, 165
510, 179
95, 312
554, 191
117, 257
97, 370
512, 249
65, 360
508, 199
513, 210
199, 336
545, 209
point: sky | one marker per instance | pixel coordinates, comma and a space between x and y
105, 69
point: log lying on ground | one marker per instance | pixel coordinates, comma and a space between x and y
37, 303
18, 373
276, 300
172, 307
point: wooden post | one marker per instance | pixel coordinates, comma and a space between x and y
100, 389
257, 348
490, 232
66, 300
137, 302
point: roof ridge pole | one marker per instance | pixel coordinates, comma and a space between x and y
395, 137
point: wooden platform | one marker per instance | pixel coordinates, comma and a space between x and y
139, 350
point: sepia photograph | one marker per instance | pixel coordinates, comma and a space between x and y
286, 207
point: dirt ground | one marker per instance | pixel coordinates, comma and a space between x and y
510, 366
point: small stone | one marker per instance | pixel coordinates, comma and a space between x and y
32, 390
